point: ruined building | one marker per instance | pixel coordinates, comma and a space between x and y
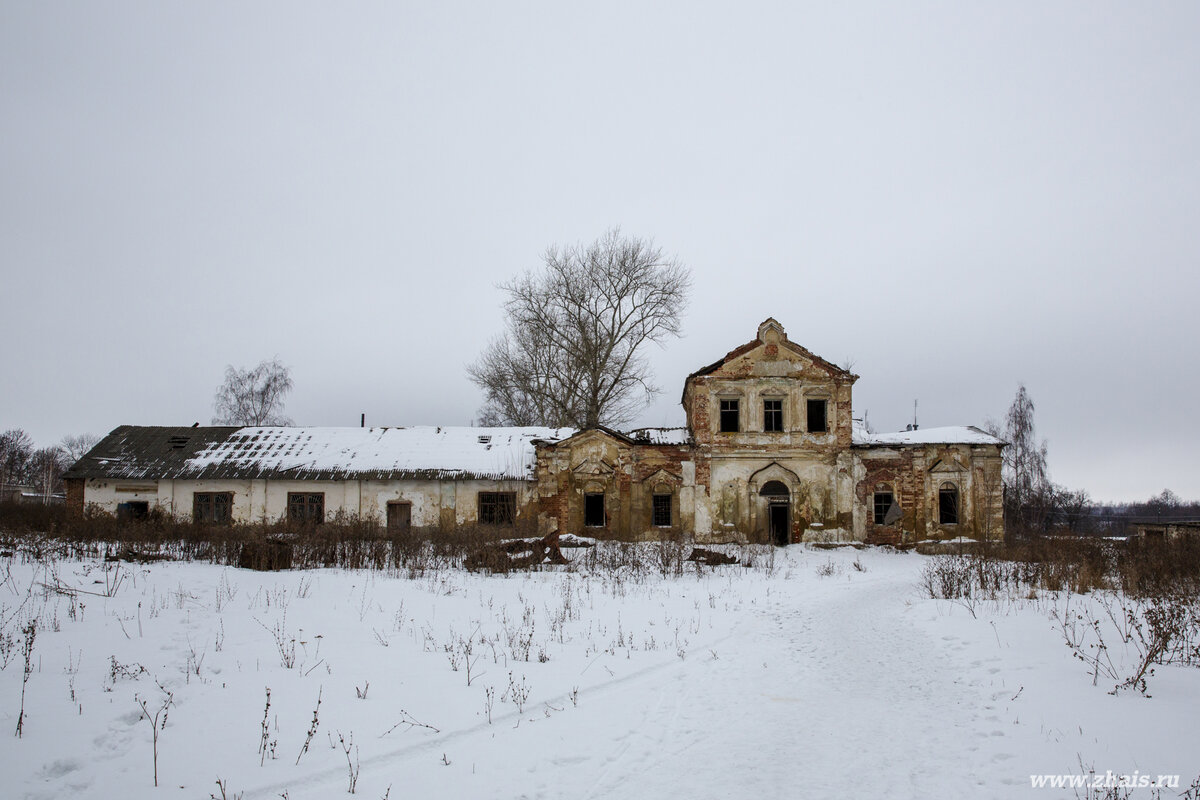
770, 453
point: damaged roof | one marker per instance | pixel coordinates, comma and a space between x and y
956, 434
421, 453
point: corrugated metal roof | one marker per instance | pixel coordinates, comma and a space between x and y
418, 453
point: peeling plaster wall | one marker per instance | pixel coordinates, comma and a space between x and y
914, 475
815, 466
260, 500
714, 483
628, 474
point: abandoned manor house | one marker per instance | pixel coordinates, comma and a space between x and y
770, 453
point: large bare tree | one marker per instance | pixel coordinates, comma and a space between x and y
74, 447
573, 349
253, 397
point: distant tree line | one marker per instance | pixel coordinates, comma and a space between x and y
38, 469
1036, 506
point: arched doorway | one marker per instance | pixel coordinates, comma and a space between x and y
779, 511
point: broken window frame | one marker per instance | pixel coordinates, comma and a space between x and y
883, 501
497, 508
817, 410
772, 415
306, 508
661, 515
730, 415
948, 506
212, 508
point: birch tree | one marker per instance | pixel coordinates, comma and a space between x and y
253, 397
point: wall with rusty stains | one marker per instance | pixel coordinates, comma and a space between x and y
915, 476
626, 473
716, 484
815, 466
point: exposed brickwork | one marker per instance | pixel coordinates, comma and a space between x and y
74, 491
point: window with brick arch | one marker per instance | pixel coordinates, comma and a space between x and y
883, 504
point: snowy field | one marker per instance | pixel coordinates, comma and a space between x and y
813, 674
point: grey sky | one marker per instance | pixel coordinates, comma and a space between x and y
957, 197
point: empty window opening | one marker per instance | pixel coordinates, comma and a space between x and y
729, 416
593, 510
772, 416
399, 516
213, 508
884, 502
948, 504
662, 511
306, 507
497, 508
133, 510
817, 418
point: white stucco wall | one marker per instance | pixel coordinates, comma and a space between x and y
266, 501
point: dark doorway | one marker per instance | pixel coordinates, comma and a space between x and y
133, 510
780, 529
778, 498
593, 510
399, 516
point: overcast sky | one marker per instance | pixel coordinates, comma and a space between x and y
957, 197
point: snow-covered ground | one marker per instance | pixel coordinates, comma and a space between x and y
805, 677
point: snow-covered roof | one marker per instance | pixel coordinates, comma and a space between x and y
957, 434
431, 453
418, 452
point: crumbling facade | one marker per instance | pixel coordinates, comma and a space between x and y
770, 453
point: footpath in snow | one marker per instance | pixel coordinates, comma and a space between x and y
816, 673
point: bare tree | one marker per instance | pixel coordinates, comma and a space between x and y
573, 349
46, 466
16, 450
1027, 489
253, 397
75, 447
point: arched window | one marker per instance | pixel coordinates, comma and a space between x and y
948, 504
774, 489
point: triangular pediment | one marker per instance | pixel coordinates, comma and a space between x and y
590, 434
944, 465
662, 476
593, 466
771, 353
